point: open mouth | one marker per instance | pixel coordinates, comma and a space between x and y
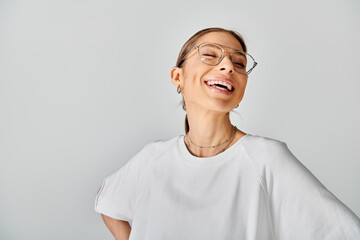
220, 85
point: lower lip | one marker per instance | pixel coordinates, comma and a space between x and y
214, 89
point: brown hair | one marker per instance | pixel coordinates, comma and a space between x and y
190, 43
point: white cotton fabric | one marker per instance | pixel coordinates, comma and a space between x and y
256, 189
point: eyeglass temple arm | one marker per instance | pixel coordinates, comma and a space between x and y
183, 58
248, 72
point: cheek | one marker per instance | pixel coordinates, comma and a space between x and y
242, 87
195, 74
243, 83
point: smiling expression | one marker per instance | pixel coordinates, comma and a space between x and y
217, 88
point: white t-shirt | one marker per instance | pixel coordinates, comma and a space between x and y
256, 189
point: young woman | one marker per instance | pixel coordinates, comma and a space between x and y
217, 182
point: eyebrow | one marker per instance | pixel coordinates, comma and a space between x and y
226, 46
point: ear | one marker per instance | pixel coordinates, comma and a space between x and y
177, 78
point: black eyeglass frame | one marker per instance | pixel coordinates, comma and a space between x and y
222, 56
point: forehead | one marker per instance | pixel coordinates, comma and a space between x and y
222, 38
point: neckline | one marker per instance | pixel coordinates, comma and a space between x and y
205, 161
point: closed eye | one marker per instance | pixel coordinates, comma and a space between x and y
240, 65
208, 55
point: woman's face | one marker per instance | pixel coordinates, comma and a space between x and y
195, 75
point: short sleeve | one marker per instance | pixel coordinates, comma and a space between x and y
301, 206
120, 192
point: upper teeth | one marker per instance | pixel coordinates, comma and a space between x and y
229, 87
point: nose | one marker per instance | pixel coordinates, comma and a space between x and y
226, 64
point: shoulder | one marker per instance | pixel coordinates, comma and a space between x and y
256, 144
163, 144
147, 154
157, 148
267, 152
276, 164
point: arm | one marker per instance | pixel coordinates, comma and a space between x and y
119, 229
302, 207
119, 194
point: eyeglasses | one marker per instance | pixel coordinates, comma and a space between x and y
212, 54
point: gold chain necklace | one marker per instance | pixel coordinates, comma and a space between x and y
229, 140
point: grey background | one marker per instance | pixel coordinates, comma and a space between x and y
84, 85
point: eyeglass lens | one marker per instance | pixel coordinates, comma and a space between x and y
211, 54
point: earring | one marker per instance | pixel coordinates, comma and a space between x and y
178, 89
237, 106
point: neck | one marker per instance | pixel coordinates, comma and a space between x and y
208, 128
